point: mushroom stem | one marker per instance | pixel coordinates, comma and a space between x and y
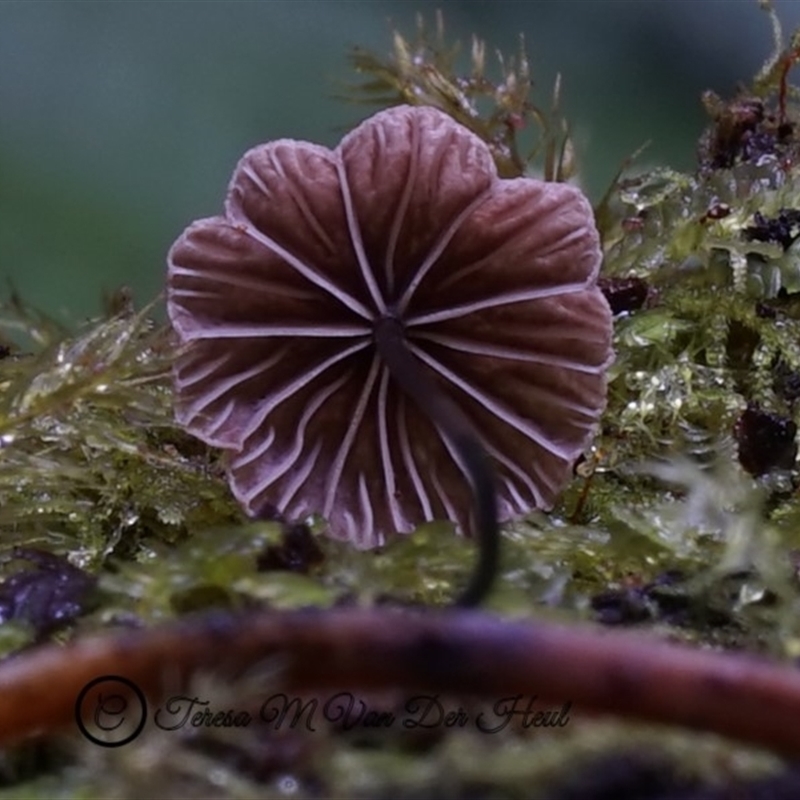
390, 339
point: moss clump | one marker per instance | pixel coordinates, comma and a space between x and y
92, 463
424, 71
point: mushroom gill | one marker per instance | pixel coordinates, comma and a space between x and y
359, 319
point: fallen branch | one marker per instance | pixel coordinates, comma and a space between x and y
454, 652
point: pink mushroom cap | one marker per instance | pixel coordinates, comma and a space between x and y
493, 280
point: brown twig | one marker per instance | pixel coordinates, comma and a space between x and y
454, 652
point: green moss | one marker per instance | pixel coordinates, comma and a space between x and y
92, 462
496, 104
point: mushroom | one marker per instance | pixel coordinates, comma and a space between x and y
378, 331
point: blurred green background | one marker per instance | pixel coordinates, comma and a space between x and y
120, 122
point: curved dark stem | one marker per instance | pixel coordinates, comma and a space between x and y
390, 340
